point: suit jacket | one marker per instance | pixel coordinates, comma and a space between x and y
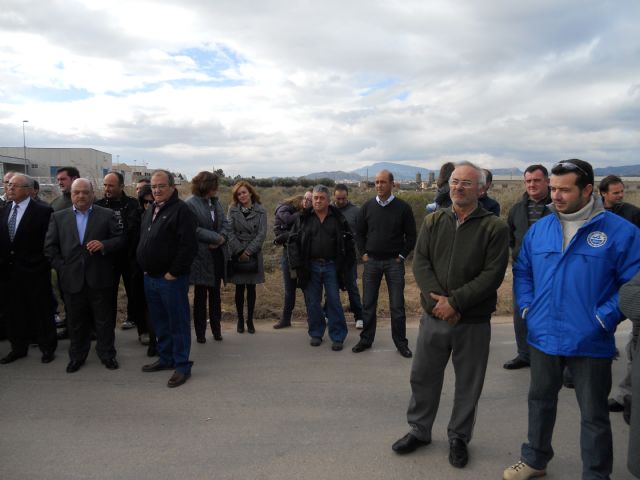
23, 259
70, 257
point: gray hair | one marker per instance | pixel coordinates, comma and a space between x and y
482, 178
28, 181
321, 189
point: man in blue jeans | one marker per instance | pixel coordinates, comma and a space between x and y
566, 280
321, 251
386, 234
167, 247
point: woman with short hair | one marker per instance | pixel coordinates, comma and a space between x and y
208, 268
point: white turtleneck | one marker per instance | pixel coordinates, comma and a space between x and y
571, 222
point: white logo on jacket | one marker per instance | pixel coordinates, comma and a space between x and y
597, 239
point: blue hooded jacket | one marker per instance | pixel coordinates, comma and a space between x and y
571, 297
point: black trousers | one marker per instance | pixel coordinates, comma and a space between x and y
135, 301
83, 307
29, 313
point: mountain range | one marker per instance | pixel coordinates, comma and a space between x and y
407, 173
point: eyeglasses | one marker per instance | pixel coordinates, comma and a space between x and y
572, 167
161, 186
147, 202
454, 182
13, 185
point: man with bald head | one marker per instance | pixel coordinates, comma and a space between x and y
81, 244
386, 234
127, 211
461, 255
25, 281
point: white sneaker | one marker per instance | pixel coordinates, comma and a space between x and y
522, 471
359, 324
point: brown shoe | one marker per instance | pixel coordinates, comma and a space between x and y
280, 325
177, 379
156, 367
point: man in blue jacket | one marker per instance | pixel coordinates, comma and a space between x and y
567, 276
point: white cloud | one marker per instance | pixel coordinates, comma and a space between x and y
287, 88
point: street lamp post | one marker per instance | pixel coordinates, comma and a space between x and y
24, 145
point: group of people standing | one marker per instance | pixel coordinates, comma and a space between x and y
576, 258
159, 246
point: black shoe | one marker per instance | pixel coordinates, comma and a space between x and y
74, 366
47, 357
614, 406
177, 379
251, 328
407, 444
336, 346
12, 357
111, 364
315, 341
360, 347
156, 367
405, 352
458, 453
240, 328
218, 337
281, 324
201, 340
515, 364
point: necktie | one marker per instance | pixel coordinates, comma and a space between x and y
12, 222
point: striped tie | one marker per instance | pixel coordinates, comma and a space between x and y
12, 222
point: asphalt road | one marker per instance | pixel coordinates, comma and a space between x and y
263, 406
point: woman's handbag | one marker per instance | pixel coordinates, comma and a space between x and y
246, 266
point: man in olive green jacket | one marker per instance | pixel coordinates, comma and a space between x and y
460, 258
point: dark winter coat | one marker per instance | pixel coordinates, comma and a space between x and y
208, 232
285, 217
299, 248
247, 234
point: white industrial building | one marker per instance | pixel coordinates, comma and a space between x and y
42, 163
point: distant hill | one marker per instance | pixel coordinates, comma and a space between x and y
337, 175
624, 171
400, 172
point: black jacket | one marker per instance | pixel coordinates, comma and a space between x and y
299, 247
128, 212
518, 221
168, 243
628, 212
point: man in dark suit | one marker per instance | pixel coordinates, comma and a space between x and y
81, 243
24, 271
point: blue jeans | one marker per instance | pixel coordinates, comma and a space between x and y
289, 289
324, 275
393, 272
351, 281
592, 379
168, 304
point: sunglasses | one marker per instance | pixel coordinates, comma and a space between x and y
572, 167
147, 202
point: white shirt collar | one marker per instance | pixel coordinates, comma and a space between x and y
384, 203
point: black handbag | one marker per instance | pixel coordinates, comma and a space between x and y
247, 266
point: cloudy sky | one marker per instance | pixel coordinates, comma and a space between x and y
286, 87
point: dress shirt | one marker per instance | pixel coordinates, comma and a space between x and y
23, 207
81, 221
384, 203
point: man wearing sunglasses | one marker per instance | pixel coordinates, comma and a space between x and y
566, 280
